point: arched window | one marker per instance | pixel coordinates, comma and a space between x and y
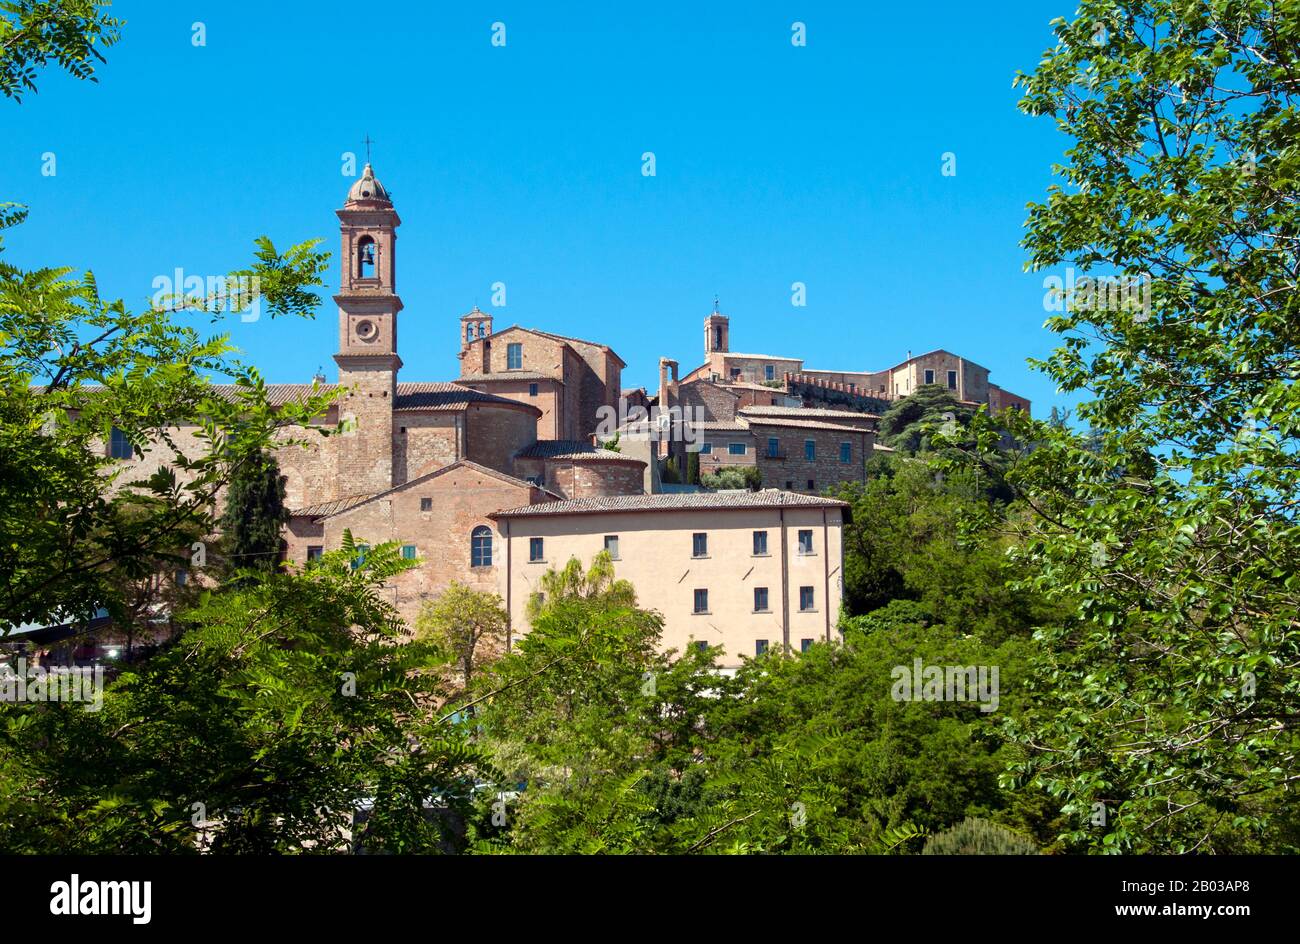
480, 547
366, 258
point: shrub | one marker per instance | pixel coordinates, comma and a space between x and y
974, 836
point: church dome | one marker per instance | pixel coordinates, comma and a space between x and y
368, 188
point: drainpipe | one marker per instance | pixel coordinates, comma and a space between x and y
826, 573
785, 586
509, 573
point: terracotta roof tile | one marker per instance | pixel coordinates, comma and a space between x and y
573, 451
693, 501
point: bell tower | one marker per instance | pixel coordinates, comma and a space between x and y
717, 327
474, 326
367, 355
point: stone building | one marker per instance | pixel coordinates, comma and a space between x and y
763, 379
800, 450
458, 473
568, 379
746, 571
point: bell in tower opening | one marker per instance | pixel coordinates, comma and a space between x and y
366, 258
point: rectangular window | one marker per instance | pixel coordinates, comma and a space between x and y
736, 449
789, 486
182, 578
773, 448
314, 552
760, 543
760, 646
119, 447
760, 599
706, 449
701, 646
536, 549
810, 450
812, 485
701, 601
360, 557
735, 373
699, 545
611, 545
952, 380
426, 504
846, 452
514, 356
532, 390
408, 552
769, 372
805, 645
929, 376
805, 541
806, 599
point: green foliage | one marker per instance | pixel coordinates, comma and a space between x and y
466, 624
907, 425
34, 33
621, 748
283, 709
75, 524
255, 514
733, 477
1164, 717
937, 539
974, 836
692, 468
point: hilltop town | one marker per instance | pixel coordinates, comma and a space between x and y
494, 477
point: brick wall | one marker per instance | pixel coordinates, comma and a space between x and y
495, 434
423, 442
550, 425
826, 470
461, 500
707, 401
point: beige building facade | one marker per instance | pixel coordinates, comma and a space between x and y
746, 572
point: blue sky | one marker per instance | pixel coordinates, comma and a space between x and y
522, 165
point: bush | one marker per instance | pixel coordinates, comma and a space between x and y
973, 836
747, 477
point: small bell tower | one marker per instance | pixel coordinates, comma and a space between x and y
474, 325
717, 327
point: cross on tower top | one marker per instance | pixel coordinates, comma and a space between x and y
368, 142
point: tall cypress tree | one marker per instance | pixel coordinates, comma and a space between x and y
255, 514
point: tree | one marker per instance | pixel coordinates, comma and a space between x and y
462, 622
255, 514
1167, 702
906, 425
285, 708
77, 371
67, 32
